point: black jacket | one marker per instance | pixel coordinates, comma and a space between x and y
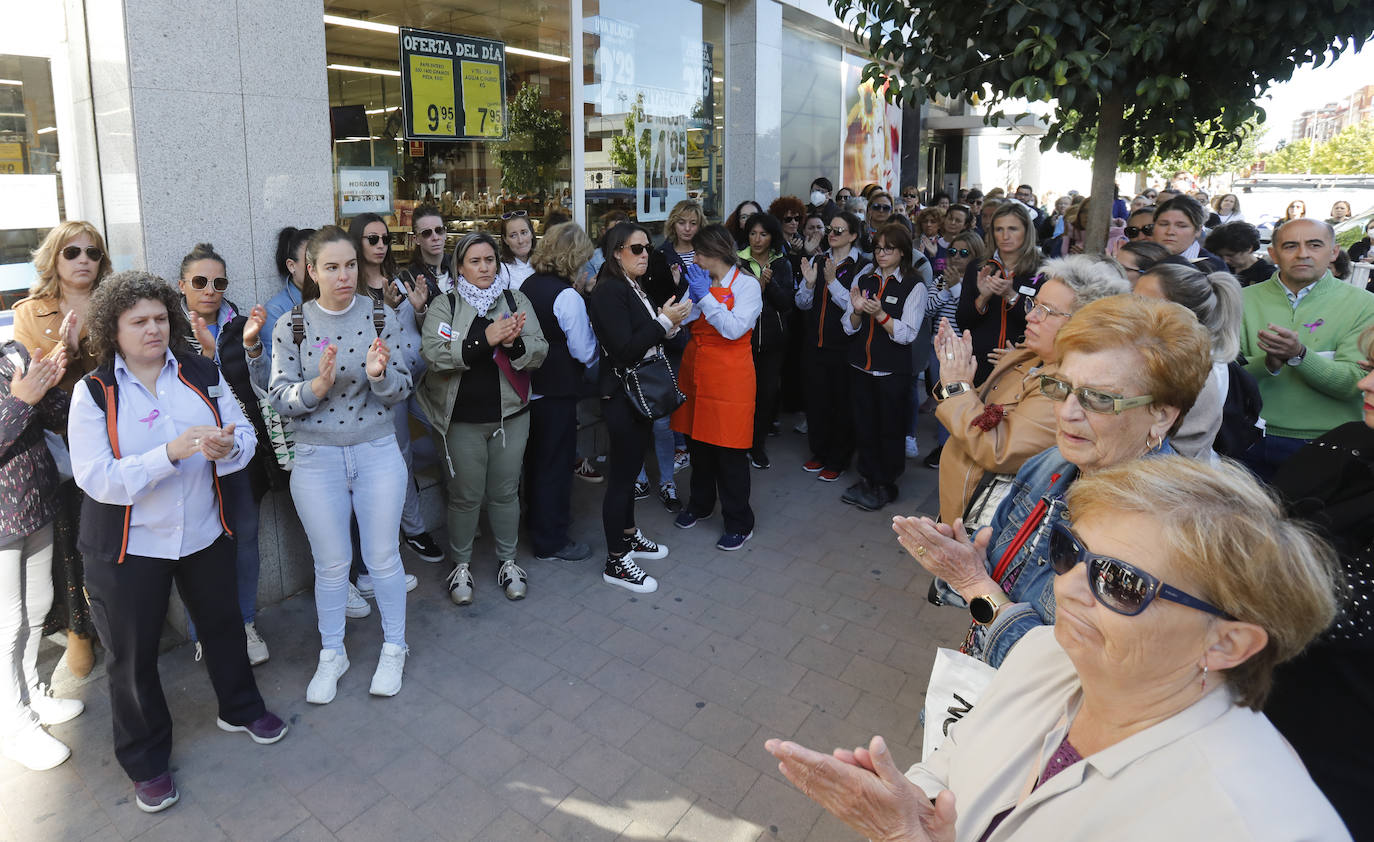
987, 328
624, 329
779, 296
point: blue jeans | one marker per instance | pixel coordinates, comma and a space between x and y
1267, 455
367, 481
411, 522
665, 448
242, 511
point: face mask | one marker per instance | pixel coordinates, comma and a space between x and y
817, 197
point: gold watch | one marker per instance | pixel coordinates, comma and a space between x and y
945, 391
986, 607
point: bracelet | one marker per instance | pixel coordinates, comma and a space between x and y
887, 317
256, 346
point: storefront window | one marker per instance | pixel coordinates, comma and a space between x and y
30, 183
811, 106
654, 107
473, 182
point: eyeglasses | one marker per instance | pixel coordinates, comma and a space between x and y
1132, 231
201, 282
514, 214
791, 217
1032, 305
908, 195
73, 252
954, 252
877, 249
880, 207
837, 232
636, 248
374, 239
1103, 403
1118, 585
426, 233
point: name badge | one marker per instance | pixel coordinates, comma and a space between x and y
1025, 290
216, 391
891, 299
446, 331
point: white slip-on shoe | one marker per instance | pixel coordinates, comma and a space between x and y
333, 664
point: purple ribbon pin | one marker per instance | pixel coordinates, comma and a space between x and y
322, 344
1312, 326
152, 416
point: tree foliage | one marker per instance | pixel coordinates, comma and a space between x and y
529, 160
1349, 152
624, 152
1151, 79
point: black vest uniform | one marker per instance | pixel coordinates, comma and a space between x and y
560, 374
872, 349
823, 329
104, 533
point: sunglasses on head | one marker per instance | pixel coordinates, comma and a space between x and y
513, 214
374, 239
73, 252
883, 207
954, 252
636, 248
201, 282
426, 233
1093, 400
1119, 586
1133, 231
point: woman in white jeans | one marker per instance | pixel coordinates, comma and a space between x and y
338, 384
28, 500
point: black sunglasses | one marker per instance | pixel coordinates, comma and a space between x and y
374, 239
636, 248
513, 214
73, 252
1132, 231
881, 207
201, 282
837, 232
791, 217
954, 252
426, 233
1118, 585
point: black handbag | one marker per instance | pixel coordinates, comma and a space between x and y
651, 386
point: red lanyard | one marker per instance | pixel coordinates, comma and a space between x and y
1022, 535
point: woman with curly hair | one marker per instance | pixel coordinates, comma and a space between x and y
153, 430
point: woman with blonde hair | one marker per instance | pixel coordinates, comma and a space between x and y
71, 262
989, 306
554, 390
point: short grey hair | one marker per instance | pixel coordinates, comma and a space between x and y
1090, 276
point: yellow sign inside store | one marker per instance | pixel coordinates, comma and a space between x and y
12, 159
433, 111
482, 99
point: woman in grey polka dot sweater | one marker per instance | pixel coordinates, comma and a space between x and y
337, 387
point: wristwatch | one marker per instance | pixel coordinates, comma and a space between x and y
1299, 358
984, 608
944, 391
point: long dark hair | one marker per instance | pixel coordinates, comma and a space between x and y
289, 242
321, 238
732, 223
896, 235
355, 230
769, 223
505, 254
611, 242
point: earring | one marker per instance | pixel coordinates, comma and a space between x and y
1204, 676
1155, 443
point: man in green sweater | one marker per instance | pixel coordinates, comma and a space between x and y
1300, 337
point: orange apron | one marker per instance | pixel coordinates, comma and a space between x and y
717, 377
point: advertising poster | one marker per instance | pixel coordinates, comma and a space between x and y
364, 190
872, 147
453, 87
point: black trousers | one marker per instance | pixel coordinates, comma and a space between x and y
724, 472
550, 452
128, 604
829, 417
767, 385
880, 407
630, 434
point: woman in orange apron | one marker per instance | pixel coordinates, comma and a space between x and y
717, 377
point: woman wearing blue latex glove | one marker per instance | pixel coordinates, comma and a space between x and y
698, 282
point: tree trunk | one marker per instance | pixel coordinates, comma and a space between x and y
1105, 158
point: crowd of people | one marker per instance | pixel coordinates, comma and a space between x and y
1097, 408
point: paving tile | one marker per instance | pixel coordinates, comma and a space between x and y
486, 756
784, 812
507, 711
720, 727
662, 747
725, 651
310, 830
826, 693
388, 819
774, 637
704, 822
821, 657
622, 679
676, 665
717, 776
817, 624
341, 797
600, 768
415, 777
565, 695
582, 817
777, 711
874, 677
654, 801
265, 813
864, 641
724, 687
670, 703
460, 810
533, 788
774, 671
612, 720
632, 646
550, 737
188, 821
579, 657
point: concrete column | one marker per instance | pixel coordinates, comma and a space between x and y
211, 123
753, 101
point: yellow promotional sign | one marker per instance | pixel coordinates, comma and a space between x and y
482, 99
432, 108
12, 159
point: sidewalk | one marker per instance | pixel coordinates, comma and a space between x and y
583, 712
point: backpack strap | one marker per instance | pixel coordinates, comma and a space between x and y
297, 325
510, 301
378, 317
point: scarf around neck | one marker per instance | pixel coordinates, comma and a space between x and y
480, 299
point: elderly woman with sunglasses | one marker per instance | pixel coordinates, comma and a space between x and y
1137, 716
995, 427
1129, 370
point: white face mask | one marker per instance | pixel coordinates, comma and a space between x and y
817, 197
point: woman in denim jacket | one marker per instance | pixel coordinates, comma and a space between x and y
1133, 368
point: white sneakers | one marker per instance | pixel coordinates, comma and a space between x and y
460, 585
257, 649
386, 681
52, 710
32, 747
356, 608
366, 591
333, 664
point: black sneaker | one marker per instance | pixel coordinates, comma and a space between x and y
932, 459
774, 429
622, 571
572, 551
873, 498
668, 494
641, 547
641, 491
853, 493
425, 547
759, 459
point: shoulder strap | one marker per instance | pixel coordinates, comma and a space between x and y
510, 301
452, 305
104, 389
297, 324
378, 317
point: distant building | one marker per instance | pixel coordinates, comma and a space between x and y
1321, 124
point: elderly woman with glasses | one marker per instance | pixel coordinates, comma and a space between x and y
995, 427
1136, 716
1129, 369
